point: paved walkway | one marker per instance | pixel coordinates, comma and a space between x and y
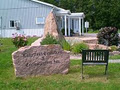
114, 61
37, 42
75, 57
92, 34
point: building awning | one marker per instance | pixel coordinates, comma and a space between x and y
63, 12
73, 15
69, 14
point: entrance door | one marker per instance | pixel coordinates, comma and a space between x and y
76, 25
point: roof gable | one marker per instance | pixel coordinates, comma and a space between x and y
44, 3
53, 6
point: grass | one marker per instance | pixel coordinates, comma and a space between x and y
96, 31
115, 57
94, 75
91, 31
118, 30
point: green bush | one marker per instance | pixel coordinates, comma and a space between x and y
113, 48
65, 45
49, 39
19, 40
78, 47
108, 36
118, 49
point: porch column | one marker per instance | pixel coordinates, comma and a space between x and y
65, 25
79, 26
69, 26
82, 26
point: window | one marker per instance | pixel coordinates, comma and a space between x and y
12, 23
40, 20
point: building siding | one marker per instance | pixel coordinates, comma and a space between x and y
24, 11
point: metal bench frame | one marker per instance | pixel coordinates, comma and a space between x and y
95, 57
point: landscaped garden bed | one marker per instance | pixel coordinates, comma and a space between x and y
94, 79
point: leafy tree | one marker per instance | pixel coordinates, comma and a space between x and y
100, 13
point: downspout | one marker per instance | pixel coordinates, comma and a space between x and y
1, 26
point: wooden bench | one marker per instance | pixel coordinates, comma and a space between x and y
95, 57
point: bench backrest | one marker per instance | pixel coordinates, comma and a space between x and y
97, 56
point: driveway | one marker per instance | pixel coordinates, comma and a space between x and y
90, 34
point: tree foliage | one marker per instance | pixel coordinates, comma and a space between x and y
100, 13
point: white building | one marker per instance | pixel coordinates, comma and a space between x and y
28, 17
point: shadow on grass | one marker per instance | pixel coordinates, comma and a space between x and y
96, 71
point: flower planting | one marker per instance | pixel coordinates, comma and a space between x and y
19, 40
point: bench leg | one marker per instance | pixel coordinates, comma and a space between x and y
106, 68
82, 72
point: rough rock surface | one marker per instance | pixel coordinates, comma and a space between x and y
91, 41
51, 27
40, 60
97, 46
115, 53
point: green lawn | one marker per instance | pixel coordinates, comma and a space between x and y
115, 57
91, 31
94, 75
96, 31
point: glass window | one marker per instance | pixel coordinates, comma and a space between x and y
40, 20
12, 23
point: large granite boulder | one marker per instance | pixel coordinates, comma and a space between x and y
97, 46
51, 27
40, 60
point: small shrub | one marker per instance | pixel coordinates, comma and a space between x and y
19, 40
78, 47
118, 49
49, 39
65, 45
113, 48
108, 36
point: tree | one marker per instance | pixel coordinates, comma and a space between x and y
100, 13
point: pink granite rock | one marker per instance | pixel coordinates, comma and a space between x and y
51, 27
115, 53
40, 60
97, 46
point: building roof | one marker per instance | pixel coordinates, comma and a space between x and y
61, 11
44, 3
51, 5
